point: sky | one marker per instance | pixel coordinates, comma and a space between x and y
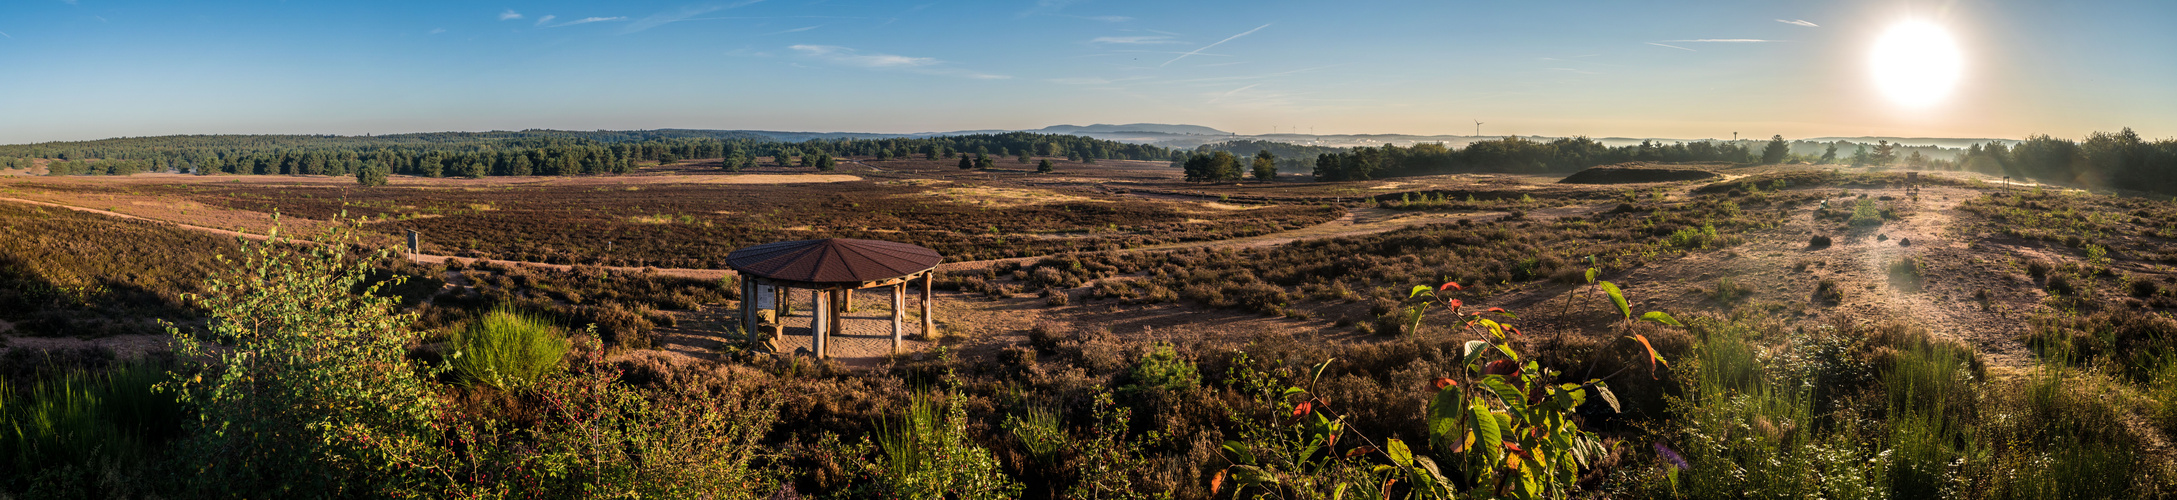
88, 69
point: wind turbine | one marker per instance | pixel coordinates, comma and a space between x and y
1477, 128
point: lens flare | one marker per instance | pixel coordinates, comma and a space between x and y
1916, 64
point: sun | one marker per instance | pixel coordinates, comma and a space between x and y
1916, 63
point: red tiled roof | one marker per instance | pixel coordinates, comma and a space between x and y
833, 260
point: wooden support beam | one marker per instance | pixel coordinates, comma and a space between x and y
778, 312
929, 320
899, 315
818, 324
846, 301
838, 322
748, 309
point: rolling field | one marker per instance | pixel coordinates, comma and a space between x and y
1060, 286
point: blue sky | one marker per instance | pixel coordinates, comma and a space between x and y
83, 69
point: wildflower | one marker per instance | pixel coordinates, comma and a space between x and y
1672, 457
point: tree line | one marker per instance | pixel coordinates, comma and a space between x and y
2104, 159
1513, 155
536, 152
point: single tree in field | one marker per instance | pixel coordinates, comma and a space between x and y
1885, 153
826, 163
1024, 156
1830, 156
983, 162
1265, 166
1223, 166
1044, 166
372, 174
1860, 157
966, 163
1774, 154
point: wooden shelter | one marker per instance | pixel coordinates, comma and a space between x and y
832, 269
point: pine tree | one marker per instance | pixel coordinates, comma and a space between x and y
372, 174
1774, 154
1044, 167
966, 163
1265, 166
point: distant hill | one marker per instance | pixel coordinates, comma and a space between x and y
1131, 127
1918, 141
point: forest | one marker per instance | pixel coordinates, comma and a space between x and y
2103, 160
547, 152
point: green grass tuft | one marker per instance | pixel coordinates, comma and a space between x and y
508, 350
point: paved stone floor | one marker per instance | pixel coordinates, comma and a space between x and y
868, 327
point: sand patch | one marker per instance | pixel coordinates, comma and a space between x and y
998, 197
772, 179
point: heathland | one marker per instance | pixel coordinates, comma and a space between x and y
1113, 320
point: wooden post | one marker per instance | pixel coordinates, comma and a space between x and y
846, 303
899, 314
778, 311
817, 323
838, 325
748, 309
929, 322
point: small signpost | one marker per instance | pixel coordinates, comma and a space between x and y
414, 242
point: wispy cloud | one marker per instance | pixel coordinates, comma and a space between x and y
685, 13
1228, 93
587, 20
1090, 80
844, 56
438, 30
509, 15
1671, 46
1108, 19
795, 30
546, 19
1800, 22
1219, 42
1045, 8
1723, 40
1133, 40
850, 57
5, 34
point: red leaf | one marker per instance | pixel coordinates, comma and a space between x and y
1364, 450
1514, 329
1302, 408
1451, 285
1498, 310
1442, 382
1216, 483
1455, 303
1653, 357
1505, 367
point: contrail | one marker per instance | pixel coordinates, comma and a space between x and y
1206, 47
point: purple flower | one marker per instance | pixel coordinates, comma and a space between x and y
1671, 456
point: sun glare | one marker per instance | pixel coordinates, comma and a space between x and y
1916, 64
